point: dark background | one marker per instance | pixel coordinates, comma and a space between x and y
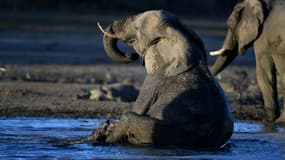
66, 32
191, 8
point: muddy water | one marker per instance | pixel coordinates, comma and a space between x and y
27, 138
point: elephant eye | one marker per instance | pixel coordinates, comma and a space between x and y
131, 41
155, 41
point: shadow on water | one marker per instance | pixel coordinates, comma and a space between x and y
27, 138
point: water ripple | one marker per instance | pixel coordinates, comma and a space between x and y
27, 138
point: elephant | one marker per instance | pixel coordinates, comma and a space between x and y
180, 102
261, 24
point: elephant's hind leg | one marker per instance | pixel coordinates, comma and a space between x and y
135, 129
281, 119
131, 128
138, 129
266, 76
280, 67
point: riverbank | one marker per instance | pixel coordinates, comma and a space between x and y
52, 90
51, 59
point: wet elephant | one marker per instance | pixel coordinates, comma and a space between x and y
261, 24
179, 103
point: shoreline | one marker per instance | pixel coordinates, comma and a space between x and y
52, 90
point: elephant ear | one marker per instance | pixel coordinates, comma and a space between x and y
246, 22
173, 49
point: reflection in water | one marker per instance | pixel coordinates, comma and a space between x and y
27, 138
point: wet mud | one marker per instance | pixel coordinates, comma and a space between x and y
55, 90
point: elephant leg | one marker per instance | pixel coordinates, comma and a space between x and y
131, 128
280, 66
266, 77
136, 129
281, 119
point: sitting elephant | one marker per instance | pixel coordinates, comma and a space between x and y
180, 103
260, 23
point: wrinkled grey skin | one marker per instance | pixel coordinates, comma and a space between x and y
180, 103
260, 24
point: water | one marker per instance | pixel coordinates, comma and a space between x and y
27, 138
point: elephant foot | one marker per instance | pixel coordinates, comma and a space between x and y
281, 119
99, 134
271, 115
116, 132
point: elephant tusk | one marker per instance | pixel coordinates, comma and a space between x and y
2, 69
218, 52
105, 32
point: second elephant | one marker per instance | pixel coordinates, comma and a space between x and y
260, 23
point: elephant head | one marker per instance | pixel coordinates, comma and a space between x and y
159, 38
244, 26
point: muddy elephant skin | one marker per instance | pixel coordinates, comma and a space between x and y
180, 103
261, 24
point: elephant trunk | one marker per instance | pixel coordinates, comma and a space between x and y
110, 41
222, 62
227, 54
